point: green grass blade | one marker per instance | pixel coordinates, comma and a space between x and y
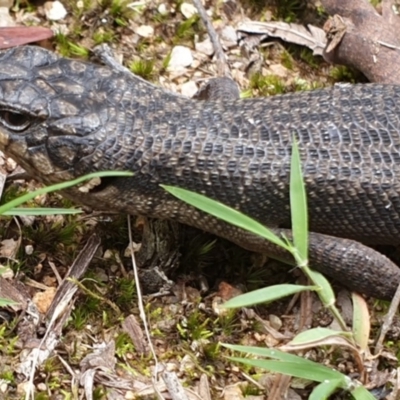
265, 352
6, 302
30, 211
317, 335
361, 321
325, 291
59, 186
298, 205
225, 213
360, 393
325, 389
315, 372
283, 357
266, 295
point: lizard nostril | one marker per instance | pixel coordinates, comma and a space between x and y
14, 121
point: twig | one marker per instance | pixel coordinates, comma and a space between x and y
143, 313
388, 321
61, 304
221, 61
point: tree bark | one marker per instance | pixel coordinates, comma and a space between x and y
360, 37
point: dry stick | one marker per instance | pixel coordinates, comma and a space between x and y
222, 65
142, 312
388, 320
60, 303
174, 387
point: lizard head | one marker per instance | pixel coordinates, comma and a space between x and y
53, 112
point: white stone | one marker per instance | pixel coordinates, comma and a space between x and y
279, 70
162, 9
189, 89
181, 57
29, 249
54, 10
229, 34
145, 31
188, 10
229, 37
205, 47
5, 17
275, 322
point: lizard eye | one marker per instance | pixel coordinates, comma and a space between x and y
14, 121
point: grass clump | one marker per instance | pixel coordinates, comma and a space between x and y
269, 85
187, 29
328, 380
289, 10
120, 11
143, 68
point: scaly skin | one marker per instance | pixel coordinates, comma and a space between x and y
61, 118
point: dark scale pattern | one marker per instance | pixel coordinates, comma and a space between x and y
86, 117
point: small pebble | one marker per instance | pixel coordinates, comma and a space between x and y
29, 250
54, 10
229, 34
181, 57
275, 322
205, 47
145, 31
189, 89
41, 387
162, 9
5, 18
188, 10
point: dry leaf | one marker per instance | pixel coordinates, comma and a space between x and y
43, 300
311, 36
9, 248
19, 35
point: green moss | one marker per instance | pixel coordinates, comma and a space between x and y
302, 85
196, 327
143, 68
8, 376
267, 85
287, 60
42, 396
125, 292
78, 9
197, 252
120, 10
124, 345
99, 393
288, 10
308, 57
341, 73
67, 48
53, 236
78, 50
212, 351
12, 192
375, 2
251, 390
102, 36
166, 61
255, 6
80, 317
187, 29
161, 18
